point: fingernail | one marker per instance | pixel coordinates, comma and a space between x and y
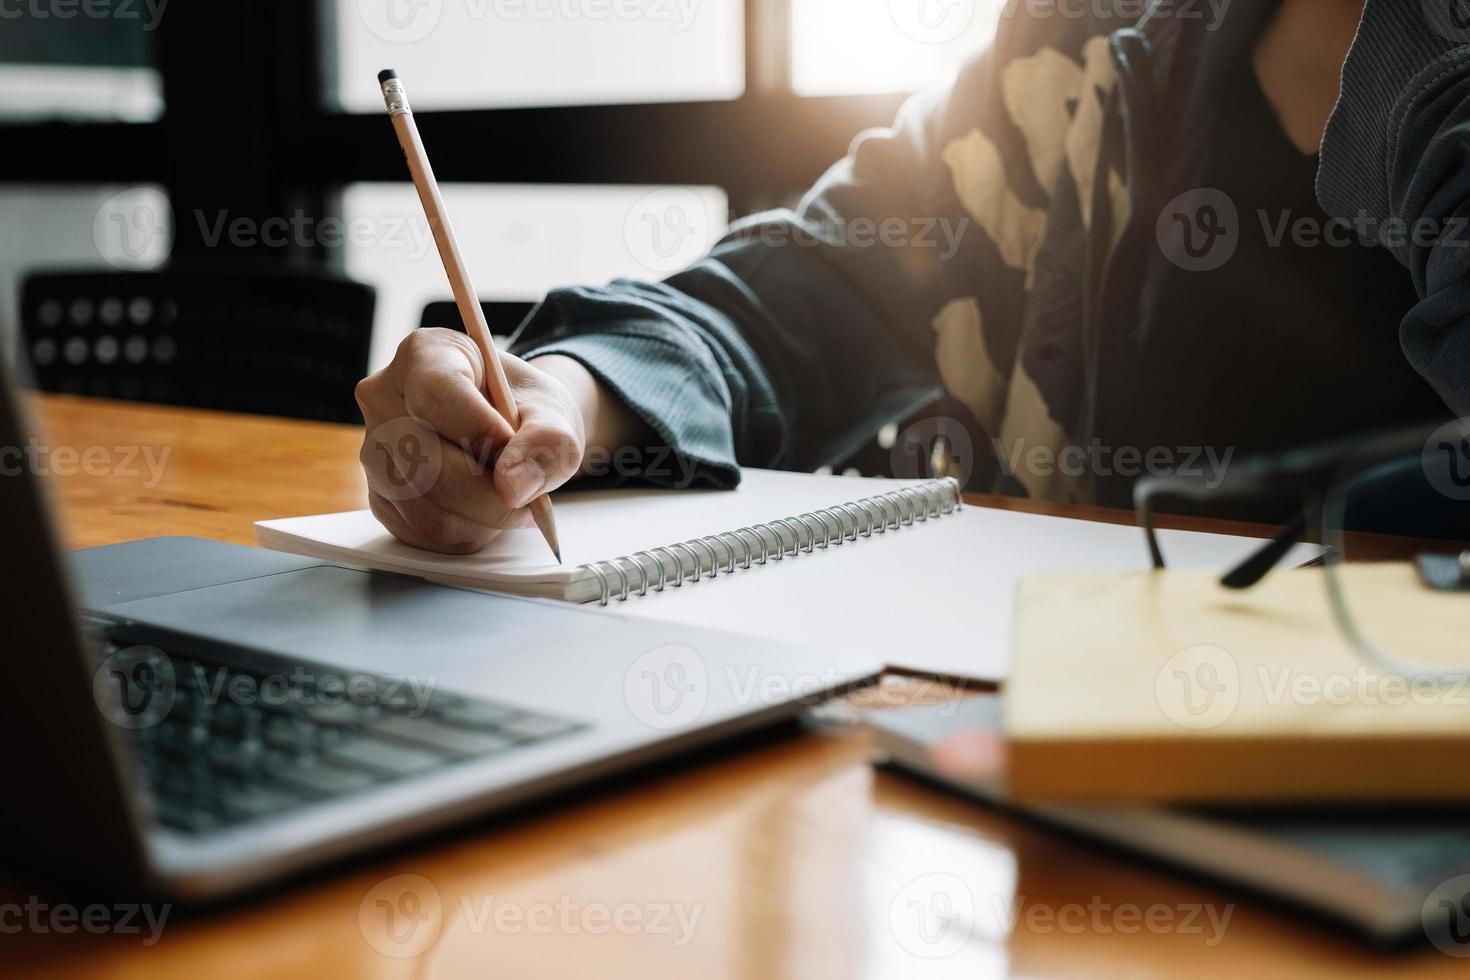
525, 480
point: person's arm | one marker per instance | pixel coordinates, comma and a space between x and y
1396, 163
805, 331
784, 347
800, 335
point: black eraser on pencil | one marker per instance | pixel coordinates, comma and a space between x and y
386, 74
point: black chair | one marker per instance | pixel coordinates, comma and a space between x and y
502, 316
267, 342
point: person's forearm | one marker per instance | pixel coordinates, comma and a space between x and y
610, 423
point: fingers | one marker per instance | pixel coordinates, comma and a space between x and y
540, 457
445, 493
464, 489
546, 451
452, 406
439, 380
448, 540
433, 436
429, 521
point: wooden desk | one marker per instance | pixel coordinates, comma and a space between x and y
791, 857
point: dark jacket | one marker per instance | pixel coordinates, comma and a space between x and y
1025, 208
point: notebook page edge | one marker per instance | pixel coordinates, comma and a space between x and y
576, 583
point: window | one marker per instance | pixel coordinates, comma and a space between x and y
850, 47
518, 241
472, 54
642, 125
89, 62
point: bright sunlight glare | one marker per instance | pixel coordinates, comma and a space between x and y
848, 47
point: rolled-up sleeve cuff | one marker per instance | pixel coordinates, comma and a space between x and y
654, 377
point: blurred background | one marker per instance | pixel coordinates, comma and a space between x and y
192, 190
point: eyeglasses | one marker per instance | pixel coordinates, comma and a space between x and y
1392, 511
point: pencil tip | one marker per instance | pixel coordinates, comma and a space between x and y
545, 519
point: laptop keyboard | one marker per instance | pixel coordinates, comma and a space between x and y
214, 757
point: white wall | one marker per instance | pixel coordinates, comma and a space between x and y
519, 242
479, 53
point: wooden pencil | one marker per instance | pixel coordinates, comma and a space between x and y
497, 388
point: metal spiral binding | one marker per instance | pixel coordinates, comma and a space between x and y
678, 565
795, 527
761, 529
818, 529
807, 520
652, 555
750, 552
694, 563
642, 573
858, 514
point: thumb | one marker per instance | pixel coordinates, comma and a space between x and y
544, 453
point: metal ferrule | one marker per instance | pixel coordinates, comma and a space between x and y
395, 97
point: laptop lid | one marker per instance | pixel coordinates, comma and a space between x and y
67, 813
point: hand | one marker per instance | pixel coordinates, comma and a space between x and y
445, 470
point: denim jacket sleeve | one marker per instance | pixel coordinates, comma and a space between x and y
798, 335
804, 331
1396, 162
907, 271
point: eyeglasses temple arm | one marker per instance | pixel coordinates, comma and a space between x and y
1144, 492
1145, 520
1259, 562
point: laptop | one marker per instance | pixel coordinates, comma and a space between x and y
192, 719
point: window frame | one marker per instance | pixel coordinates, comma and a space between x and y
247, 129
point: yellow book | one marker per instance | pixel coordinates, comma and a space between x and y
1163, 686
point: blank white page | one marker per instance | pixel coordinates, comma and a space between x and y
936, 598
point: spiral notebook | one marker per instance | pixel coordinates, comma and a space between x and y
896, 568
620, 542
